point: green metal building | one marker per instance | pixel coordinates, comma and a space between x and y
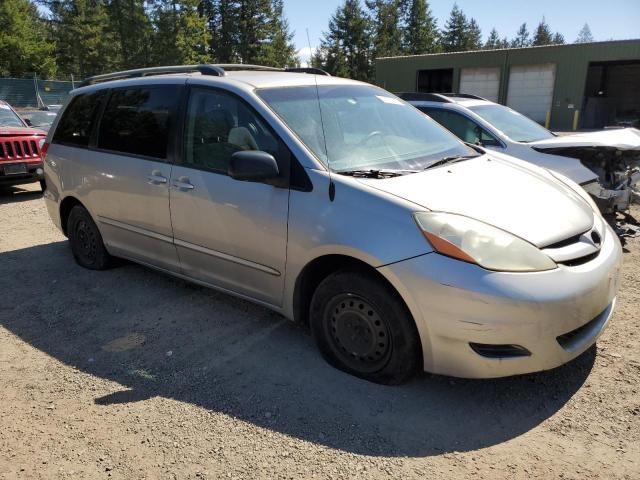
589, 85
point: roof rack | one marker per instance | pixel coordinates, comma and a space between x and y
216, 70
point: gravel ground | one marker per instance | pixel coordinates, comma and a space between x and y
133, 374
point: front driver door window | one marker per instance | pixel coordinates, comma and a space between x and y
464, 128
228, 233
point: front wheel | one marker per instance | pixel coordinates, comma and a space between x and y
86, 242
362, 327
43, 185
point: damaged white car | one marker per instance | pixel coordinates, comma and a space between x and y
605, 163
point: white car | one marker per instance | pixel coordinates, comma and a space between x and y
605, 163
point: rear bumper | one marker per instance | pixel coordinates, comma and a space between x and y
554, 315
34, 174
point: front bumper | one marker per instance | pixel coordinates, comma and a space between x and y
34, 174
456, 303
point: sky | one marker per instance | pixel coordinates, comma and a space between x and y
608, 19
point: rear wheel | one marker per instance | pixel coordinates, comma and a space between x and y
86, 242
363, 328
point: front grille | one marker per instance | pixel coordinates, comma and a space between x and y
16, 149
499, 351
566, 241
580, 261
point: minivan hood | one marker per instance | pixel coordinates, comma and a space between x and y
527, 202
619, 138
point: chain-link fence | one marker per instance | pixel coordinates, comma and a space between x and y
35, 93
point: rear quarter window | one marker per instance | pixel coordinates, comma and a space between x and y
74, 128
138, 120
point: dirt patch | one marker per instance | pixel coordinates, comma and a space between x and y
133, 374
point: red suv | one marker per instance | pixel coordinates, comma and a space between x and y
20, 149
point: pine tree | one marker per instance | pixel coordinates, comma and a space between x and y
85, 45
522, 37
24, 47
345, 50
493, 40
543, 35
387, 34
281, 49
474, 36
253, 27
585, 35
558, 39
420, 29
455, 34
132, 27
222, 17
181, 35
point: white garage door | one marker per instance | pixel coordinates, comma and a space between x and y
531, 90
484, 82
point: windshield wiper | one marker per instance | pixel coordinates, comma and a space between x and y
375, 173
451, 159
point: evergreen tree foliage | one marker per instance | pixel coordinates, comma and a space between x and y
585, 35
474, 36
420, 29
180, 33
558, 39
85, 43
24, 46
522, 37
281, 49
386, 27
543, 35
493, 40
129, 22
455, 36
346, 49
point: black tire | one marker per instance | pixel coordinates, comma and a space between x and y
86, 242
43, 185
362, 327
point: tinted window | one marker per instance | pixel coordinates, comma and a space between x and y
464, 128
138, 120
75, 125
217, 126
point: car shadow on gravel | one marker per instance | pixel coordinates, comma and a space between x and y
160, 336
17, 194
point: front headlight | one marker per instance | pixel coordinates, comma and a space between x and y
476, 242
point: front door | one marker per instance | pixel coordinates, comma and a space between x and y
228, 233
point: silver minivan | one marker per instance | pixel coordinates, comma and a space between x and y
338, 205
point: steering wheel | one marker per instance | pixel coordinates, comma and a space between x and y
371, 136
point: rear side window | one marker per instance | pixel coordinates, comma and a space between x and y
75, 125
138, 120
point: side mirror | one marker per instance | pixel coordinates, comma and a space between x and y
253, 166
28, 122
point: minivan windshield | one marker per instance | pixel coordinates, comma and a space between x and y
358, 127
513, 124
